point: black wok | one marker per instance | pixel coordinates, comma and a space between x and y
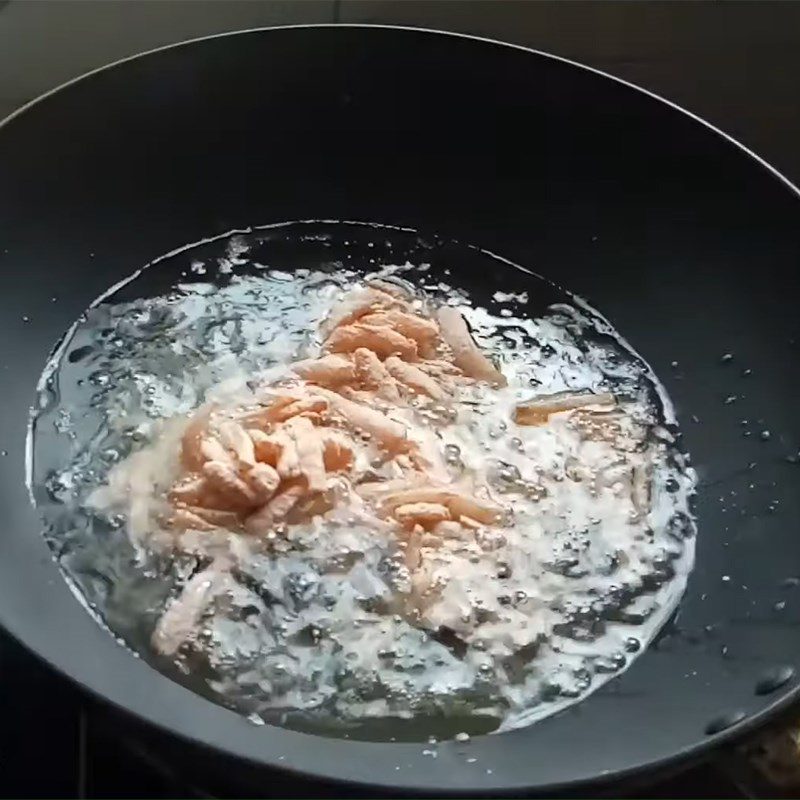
685, 240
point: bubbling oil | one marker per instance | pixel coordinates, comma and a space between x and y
590, 561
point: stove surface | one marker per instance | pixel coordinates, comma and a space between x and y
57, 742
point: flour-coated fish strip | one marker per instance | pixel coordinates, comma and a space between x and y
233, 436
538, 410
466, 354
415, 379
263, 521
381, 339
331, 370
226, 481
372, 374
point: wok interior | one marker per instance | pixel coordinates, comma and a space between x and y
687, 245
118, 373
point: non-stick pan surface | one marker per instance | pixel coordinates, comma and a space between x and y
688, 243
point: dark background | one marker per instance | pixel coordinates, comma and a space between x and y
735, 64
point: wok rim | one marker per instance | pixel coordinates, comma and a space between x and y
400, 781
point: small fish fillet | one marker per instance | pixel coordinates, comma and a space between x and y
260, 417
235, 438
414, 378
422, 330
462, 506
388, 432
309, 449
371, 490
288, 465
183, 615
207, 496
215, 516
458, 504
312, 405
356, 304
381, 339
372, 374
331, 370
359, 395
213, 450
439, 368
185, 520
224, 479
466, 354
425, 514
263, 480
538, 410
261, 522
188, 489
